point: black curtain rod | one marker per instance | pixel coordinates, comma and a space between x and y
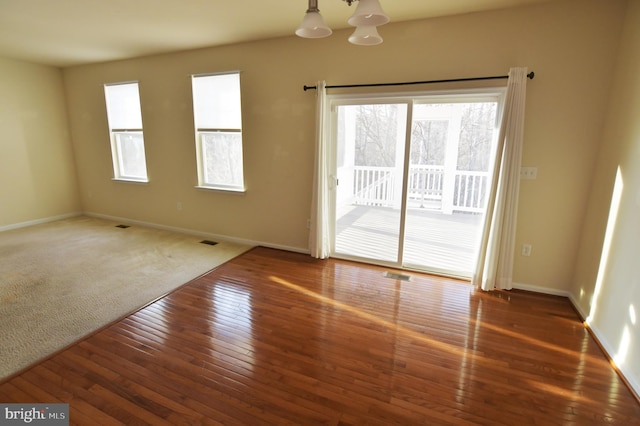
406, 83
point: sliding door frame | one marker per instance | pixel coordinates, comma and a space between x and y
410, 99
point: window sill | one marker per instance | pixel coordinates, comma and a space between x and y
130, 180
222, 189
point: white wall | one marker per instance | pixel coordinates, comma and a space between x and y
37, 166
606, 286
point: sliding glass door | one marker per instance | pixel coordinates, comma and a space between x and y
412, 179
370, 158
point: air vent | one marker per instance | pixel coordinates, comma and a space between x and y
395, 276
123, 226
209, 243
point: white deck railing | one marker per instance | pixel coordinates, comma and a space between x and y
470, 193
374, 186
428, 187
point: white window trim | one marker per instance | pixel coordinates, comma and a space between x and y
409, 97
198, 141
116, 158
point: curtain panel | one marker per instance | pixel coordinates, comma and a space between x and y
494, 268
319, 237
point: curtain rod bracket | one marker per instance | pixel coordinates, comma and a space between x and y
530, 76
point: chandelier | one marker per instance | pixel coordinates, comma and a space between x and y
367, 17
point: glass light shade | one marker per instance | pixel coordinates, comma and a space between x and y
368, 13
313, 26
365, 36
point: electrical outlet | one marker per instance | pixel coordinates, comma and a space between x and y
528, 172
526, 250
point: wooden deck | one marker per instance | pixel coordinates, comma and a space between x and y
280, 338
434, 241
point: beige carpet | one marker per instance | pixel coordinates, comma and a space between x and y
62, 280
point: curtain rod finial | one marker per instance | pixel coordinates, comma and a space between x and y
531, 75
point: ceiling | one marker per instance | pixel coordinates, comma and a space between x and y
73, 32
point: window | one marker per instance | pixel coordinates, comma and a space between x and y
125, 127
218, 123
413, 176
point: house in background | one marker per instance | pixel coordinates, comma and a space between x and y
582, 132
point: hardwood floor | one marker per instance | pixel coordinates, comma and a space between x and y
279, 338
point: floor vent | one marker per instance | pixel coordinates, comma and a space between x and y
209, 243
395, 276
123, 226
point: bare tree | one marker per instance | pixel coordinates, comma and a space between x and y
376, 135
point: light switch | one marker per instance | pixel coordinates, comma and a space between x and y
528, 172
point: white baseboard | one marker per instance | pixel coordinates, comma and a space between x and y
209, 236
628, 376
38, 221
539, 289
625, 372
576, 306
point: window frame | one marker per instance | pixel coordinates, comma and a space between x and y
117, 156
200, 132
412, 98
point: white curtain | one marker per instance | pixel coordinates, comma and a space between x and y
494, 269
319, 238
